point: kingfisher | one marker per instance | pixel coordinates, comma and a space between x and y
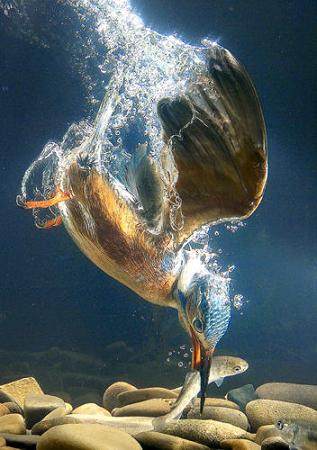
212, 169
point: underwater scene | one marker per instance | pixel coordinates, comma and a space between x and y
158, 225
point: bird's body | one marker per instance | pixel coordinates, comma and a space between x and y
212, 168
108, 229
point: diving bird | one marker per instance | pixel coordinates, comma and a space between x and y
212, 169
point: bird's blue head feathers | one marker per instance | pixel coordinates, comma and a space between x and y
203, 303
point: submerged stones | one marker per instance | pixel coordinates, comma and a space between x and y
18, 390
227, 415
149, 408
140, 395
90, 409
239, 444
207, 432
266, 412
12, 423
37, 406
289, 392
36, 420
152, 440
86, 437
110, 397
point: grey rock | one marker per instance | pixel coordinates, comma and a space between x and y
110, 396
86, 437
242, 395
303, 394
38, 406
152, 440
227, 415
267, 412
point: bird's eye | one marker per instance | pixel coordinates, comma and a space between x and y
237, 368
198, 325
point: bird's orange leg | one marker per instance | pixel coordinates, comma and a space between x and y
50, 223
60, 196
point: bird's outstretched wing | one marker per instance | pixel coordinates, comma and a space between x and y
218, 140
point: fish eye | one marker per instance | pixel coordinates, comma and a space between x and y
280, 424
237, 368
198, 325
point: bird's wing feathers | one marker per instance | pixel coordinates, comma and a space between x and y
144, 181
218, 140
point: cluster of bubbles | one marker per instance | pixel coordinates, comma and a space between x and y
181, 356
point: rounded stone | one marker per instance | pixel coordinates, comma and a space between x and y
264, 432
4, 410
36, 407
222, 402
58, 412
12, 423
149, 408
227, 415
239, 444
267, 412
19, 389
23, 440
91, 408
303, 394
110, 396
14, 408
2, 441
274, 443
152, 440
140, 395
86, 437
242, 395
207, 432
6, 447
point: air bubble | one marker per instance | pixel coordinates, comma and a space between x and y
180, 364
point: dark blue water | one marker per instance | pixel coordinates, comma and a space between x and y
51, 296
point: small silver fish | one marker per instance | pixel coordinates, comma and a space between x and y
299, 434
221, 367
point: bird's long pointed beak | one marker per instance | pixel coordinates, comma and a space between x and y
201, 360
205, 364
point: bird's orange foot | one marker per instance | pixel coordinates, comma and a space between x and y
50, 223
59, 197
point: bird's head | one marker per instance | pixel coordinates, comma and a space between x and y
204, 311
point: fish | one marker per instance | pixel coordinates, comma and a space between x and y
298, 434
221, 367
